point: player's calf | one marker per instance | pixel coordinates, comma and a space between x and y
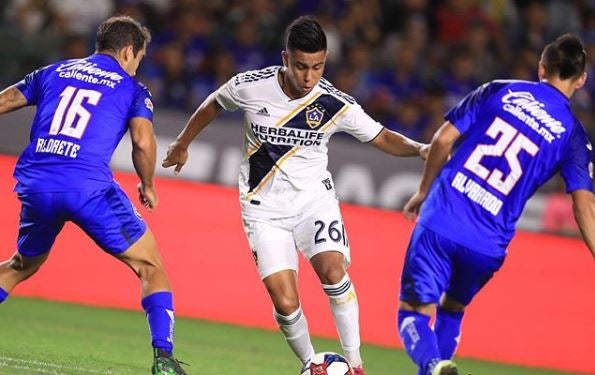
345, 310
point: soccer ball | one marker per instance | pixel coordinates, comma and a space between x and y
328, 363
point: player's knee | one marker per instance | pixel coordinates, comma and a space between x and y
286, 305
21, 268
149, 268
20, 264
449, 304
331, 275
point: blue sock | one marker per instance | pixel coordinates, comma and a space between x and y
3, 295
448, 331
419, 339
160, 315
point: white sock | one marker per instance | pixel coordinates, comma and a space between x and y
295, 329
344, 307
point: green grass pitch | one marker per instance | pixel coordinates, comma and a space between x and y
41, 337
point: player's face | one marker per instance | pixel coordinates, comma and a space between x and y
303, 72
136, 61
132, 62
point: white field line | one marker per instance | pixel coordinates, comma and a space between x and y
45, 367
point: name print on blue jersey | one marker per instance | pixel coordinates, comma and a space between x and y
83, 108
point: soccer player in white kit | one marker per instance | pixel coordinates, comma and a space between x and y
287, 195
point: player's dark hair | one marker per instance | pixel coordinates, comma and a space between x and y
564, 57
305, 34
118, 32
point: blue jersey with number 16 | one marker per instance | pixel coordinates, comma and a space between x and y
515, 136
83, 109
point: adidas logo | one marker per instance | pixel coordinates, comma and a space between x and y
263, 112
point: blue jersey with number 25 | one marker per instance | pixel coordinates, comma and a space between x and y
515, 136
83, 109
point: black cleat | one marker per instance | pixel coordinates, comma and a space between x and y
165, 364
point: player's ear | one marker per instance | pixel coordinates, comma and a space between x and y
541, 71
580, 81
284, 58
129, 53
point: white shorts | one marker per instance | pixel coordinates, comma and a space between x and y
275, 242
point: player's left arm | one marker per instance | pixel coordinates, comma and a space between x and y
440, 149
144, 156
11, 99
583, 204
397, 144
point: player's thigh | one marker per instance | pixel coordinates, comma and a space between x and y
322, 230
41, 220
272, 246
471, 272
427, 269
109, 218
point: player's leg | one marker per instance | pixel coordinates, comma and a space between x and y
282, 288
16, 269
321, 236
111, 220
424, 278
40, 223
471, 272
275, 255
337, 285
447, 326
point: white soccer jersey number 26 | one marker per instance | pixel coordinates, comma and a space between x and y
510, 144
70, 109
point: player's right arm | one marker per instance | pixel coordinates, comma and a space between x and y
583, 204
226, 97
577, 171
144, 156
177, 153
11, 99
440, 149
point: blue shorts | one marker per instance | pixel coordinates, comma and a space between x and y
435, 265
107, 216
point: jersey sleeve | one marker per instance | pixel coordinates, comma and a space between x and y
577, 163
30, 86
465, 114
359, 124
227, 95
142, 105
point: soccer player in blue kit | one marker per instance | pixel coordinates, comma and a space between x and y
515, 135
84, 107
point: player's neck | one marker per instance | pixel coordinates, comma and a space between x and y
566, 87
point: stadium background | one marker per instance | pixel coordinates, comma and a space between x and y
406, 62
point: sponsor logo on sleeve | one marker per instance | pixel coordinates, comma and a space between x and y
149, 104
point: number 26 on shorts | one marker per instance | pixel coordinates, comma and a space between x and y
335, 231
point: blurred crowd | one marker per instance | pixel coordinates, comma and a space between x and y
405, 61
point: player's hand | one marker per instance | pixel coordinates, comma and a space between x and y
147, 195
424, 151
411, 209
177, 155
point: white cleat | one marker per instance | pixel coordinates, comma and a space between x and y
446, 367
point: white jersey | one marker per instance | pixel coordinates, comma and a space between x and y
285, 140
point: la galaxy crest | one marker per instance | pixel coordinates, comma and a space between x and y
314, 115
